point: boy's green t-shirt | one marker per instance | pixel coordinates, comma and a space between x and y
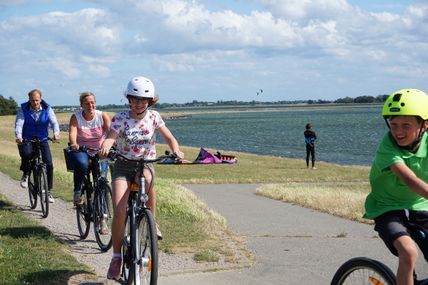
388, 192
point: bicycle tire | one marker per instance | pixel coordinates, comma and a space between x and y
363, 270
83, 214
103, 210
146, 268
126, 252
43, 191
32, 191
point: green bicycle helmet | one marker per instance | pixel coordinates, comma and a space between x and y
406, 102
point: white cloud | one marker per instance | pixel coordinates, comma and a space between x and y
204, 60
100, 71
62, 35
302, 10
66, 67
281, 43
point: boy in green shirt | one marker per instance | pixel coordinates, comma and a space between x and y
399, 180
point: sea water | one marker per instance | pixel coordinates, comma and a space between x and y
347, 136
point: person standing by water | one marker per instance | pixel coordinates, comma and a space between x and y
33, 120
310, 138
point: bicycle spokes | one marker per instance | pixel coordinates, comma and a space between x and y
32, 190
103, 216
83, 217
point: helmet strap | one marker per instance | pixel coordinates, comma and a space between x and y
417, 141
387, 123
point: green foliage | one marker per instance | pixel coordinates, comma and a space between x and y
30, 254
8, 106
220, 104
362, 99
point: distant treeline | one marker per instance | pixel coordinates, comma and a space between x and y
9, 106
346, 100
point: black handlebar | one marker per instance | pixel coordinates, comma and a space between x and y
113, 155
36, 140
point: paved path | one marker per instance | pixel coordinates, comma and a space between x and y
292, 245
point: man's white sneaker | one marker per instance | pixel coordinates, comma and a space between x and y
104, 227
24, 181
50, 198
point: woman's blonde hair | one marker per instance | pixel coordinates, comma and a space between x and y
83, 95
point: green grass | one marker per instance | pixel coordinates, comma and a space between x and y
30, 254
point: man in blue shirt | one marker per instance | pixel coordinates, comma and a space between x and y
33, 121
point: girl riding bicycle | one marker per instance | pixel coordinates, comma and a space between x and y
399, 180
135, 137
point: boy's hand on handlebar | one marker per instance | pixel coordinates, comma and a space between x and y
56, 137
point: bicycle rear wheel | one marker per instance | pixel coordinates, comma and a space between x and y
146, 268
83, 214
43, 191
32, 190
103, 216
362, 270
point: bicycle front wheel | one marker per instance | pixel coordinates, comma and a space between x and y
32, 190
146, 266
83, 215
362, 270
127, 252
43, 191
103, 216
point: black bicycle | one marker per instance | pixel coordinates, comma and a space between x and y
363, 270
98, 210
139, 247
37, 178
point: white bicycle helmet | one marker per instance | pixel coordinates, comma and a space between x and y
141, 87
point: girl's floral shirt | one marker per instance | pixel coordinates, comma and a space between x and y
137, 138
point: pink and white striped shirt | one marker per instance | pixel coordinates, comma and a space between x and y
90, 133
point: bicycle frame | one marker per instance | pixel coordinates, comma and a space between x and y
38, 170
95, 209
134, 262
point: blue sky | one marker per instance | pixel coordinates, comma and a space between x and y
209, 50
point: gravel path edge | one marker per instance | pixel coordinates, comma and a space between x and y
87, 251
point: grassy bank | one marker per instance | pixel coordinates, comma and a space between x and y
187, 222
30, 254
